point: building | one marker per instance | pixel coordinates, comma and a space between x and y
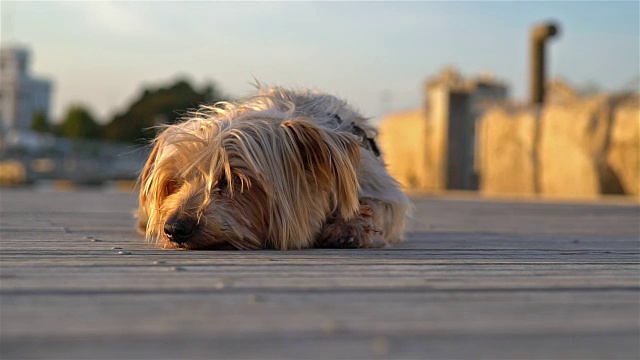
437, 143
22, 96
454, 104
483, 89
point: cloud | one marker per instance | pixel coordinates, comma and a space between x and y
115, 18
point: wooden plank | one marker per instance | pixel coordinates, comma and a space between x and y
476, 279
320, 345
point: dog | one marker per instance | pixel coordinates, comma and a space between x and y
285, 169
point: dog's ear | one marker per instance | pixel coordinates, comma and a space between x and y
329, 159
142, 214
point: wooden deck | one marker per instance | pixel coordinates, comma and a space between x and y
476, 279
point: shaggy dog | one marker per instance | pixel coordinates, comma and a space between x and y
282, 170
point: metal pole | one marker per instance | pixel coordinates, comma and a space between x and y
538, 37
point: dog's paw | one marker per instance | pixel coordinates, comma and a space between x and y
353, 234
343, 243
344, 240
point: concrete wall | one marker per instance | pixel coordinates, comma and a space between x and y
623, 155
404, 147
436, 141
571, 150
577, 149
432, 150
506, 151
581, 148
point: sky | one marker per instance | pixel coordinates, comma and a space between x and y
376, 55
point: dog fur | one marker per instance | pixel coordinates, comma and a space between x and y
286, 169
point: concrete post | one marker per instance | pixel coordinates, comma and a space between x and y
450, 139
459, 143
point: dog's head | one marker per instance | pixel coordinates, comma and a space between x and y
247, 178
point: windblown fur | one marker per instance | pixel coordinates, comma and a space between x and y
282, 170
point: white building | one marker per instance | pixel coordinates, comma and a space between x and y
21, 95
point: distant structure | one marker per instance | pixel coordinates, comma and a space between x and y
483, 89
563, 142
434, 147
21, 94
453, 104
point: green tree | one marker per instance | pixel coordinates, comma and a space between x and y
157, 106
79, 123
40, 124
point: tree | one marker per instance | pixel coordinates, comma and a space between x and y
157, 106
40, 124
79, 123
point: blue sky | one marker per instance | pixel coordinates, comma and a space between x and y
102, 53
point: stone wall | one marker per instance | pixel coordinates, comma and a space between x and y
623, 155
581, 148
572, 147
506, 151
404, 147
578, 149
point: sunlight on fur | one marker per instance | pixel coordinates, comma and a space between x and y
286, 169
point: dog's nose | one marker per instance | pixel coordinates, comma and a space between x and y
179, 229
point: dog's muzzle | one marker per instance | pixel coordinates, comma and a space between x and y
179, 229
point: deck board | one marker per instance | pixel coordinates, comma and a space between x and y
476, 279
